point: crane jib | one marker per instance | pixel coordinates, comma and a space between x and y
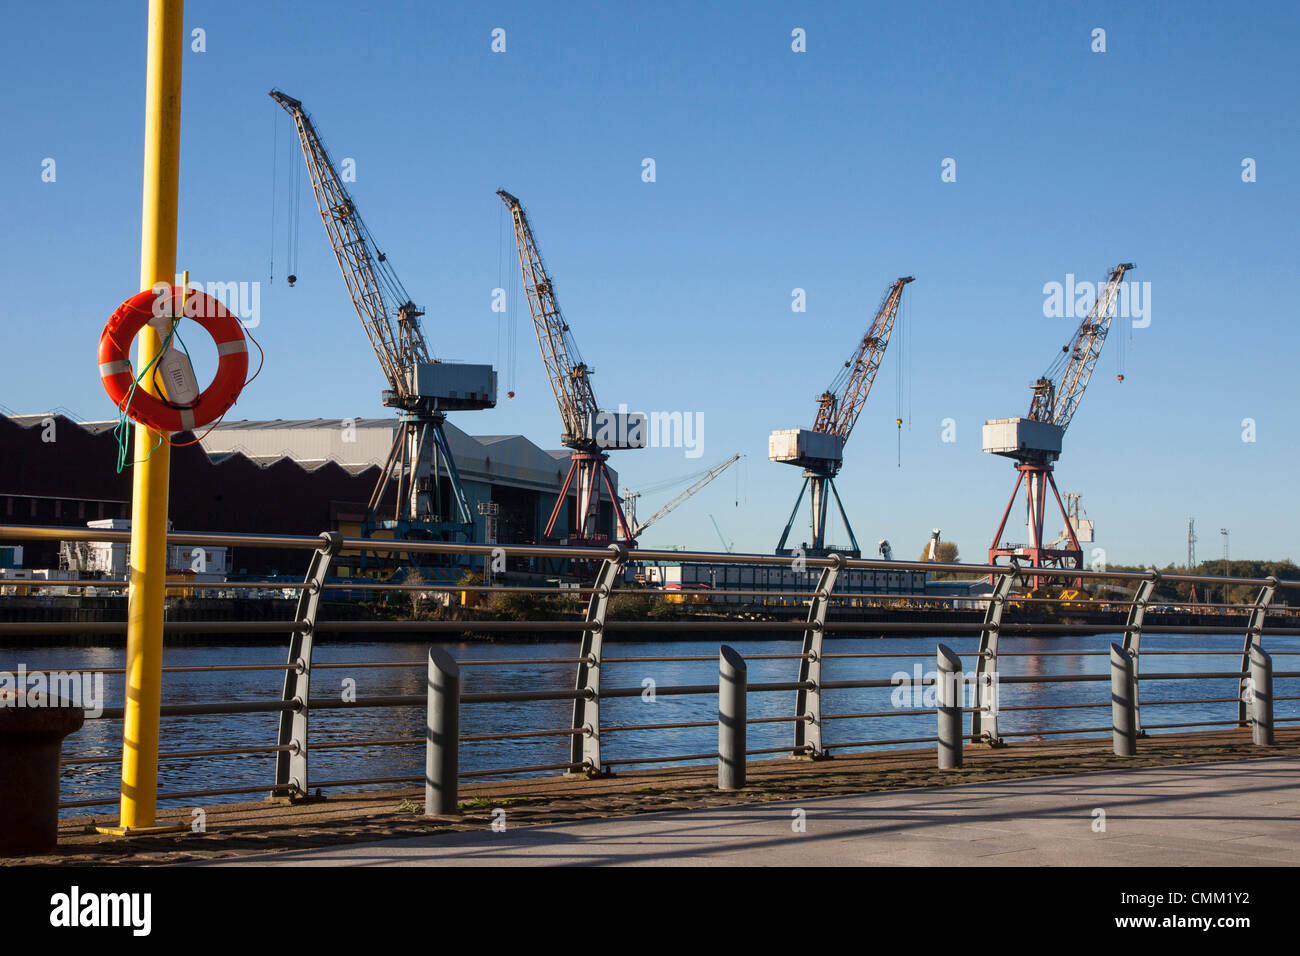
1057, 397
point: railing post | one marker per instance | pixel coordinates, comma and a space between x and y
1133, 639
1122, 710
949, 696
291, 765
808, 700
585, 747
1261, 697
732, 714
442, 736
1254, 638
984, 719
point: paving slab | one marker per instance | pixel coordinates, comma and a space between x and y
258, 827
1210, 814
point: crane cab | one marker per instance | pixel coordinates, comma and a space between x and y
455, 386
1013, 437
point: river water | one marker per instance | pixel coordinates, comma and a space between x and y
103, 737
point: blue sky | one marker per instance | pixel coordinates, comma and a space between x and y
775, 170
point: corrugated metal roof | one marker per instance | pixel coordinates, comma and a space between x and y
312, 443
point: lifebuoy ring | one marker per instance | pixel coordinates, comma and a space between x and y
115, 364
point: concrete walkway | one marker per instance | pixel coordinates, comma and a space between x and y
1231, 813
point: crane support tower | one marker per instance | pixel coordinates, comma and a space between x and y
589, 432
819, 450
422, 389
1034, 442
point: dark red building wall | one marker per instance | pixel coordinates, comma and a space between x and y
234, 495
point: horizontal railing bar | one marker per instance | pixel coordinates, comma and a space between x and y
622, 624
701, 657
178, 669
469, 662
1022, 707
710, 594
881, 743
878, 654
401, 700
1055, 653
484, 588
368, 781
41, 583
1194, 700
206, 709
1048, 733
358, 743
376, 545
1195, 723
1053, 679
175, 795
688, 689
1193, 675
682, 725
1233, 653
835, 625
178, 754
469, 627
768, 750
540, 768
169, 627
670, 759
363, 781
674, 726
918, 712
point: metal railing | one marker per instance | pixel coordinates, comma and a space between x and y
812, 666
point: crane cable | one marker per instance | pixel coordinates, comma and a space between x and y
295, 220
507, 323
902, 383
275, 163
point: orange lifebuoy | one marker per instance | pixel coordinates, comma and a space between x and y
115, 364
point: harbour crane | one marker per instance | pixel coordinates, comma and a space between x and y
589, 432
422, 389
1034, 442
696, 486
820, 450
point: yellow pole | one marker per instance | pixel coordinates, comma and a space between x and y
162, 133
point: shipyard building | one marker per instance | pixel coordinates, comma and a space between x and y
262, 477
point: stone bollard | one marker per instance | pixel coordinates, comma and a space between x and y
1123, 707
948, 696
732, 714
31, 745
1261, 697
442, 748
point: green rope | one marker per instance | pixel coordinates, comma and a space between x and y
124, 422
